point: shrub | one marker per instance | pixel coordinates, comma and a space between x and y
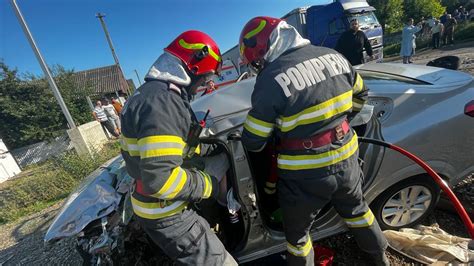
50, 182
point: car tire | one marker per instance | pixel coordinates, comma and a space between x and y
394, 209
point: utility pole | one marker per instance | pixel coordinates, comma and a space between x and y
101, 16
139, 80
43, 65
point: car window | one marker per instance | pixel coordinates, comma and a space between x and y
336, 27
382, 76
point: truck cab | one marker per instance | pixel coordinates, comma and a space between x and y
326, 23
323, 25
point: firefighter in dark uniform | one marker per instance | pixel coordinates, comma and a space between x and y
303, 96
157, 120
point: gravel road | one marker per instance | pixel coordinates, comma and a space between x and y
465, 51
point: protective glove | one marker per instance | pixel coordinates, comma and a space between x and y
216, 166
194, 162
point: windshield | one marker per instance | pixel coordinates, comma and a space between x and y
366, 19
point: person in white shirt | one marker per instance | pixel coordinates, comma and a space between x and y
101, 117
112, 115
437, 31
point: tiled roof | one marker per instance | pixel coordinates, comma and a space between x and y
102, 80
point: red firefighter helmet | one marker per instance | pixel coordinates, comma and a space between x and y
198, 51
255, 37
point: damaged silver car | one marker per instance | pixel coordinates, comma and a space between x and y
427, 110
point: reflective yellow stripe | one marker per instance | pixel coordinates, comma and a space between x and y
300, 251
358, 84
301, 162
362, 221
123, 144
252, 33
258, 127
269, 190
207, 185
198, 149
317, 113
242, 48
161, 152
270, 184
129, 145
161, 145
359, 101
173, 184
161, 138
255, 31
197, 46
357, 104
157, 210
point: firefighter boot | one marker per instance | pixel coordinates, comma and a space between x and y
380, 259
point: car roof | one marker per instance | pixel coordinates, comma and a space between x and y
431, 75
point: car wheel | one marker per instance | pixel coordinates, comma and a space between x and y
406, 203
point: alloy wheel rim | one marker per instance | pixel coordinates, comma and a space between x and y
406, 206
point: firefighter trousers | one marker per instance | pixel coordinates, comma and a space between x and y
187, 239
302, 198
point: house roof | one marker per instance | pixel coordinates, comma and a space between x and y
107, 79
131, 84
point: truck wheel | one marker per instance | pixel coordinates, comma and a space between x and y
406, 203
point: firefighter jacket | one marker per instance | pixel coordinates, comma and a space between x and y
155, 124
304, 92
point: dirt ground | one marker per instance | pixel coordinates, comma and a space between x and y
21, 243
465, 51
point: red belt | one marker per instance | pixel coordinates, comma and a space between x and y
139, 187
317, 140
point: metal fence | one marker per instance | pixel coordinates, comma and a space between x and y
41, 151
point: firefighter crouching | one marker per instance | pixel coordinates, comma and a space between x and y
303, 95
157, 121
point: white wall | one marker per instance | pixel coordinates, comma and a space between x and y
8, 165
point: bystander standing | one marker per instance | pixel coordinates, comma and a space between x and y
351, 44
436, 31
443, 18
112, 115
408, 41
101, 117
448, 36
117, 105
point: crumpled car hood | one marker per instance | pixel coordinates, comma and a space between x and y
228, 106
95, 198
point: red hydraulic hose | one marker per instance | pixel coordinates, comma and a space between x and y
457, 204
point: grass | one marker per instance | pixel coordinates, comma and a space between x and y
464, 31
50, 182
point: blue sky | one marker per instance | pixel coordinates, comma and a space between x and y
68, 33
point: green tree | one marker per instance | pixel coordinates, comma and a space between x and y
389, 13
423, 8
29, 111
